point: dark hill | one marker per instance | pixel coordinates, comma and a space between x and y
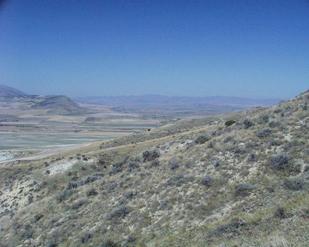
59, 105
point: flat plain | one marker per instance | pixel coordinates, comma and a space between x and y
26, 131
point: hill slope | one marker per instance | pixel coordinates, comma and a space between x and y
9, 92
59, 105
232, 180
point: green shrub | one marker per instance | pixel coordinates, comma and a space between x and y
244, 189
230, 122
202, 139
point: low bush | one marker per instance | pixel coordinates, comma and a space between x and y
79, 203
279, 162
37, 217
294, 184
216, 163
51, 243
92, 192
109, 243
178, 180
252, 157
90, 179
248, 123
202, 139
207, 181
64, 195
173, 164
244, 189
280, 213
86, 237
118, 212
133, 166
151, 155
234, 227
129, 195
27, 232
264, 119
230, 122
263, 133
116, 168
274, 124
155, 163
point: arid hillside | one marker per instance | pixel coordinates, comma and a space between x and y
239, 179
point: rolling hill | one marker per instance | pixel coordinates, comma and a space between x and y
9, 92
57, 104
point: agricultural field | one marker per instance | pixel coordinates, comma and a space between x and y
33, 131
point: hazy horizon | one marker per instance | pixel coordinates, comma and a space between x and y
146, 95
256, 49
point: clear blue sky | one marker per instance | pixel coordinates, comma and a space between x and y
255, 48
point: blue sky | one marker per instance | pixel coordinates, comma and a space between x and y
253, 48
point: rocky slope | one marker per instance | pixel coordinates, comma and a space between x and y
232, 180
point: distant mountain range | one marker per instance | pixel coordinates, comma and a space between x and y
56, 104
147, 105
158, 100
175, 105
